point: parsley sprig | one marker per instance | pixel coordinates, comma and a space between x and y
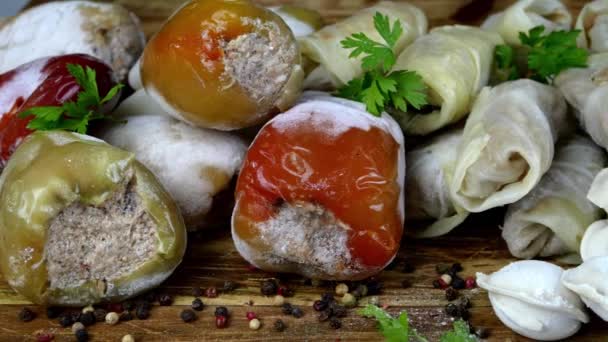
547, 55
378, 87
73, 115
398, 329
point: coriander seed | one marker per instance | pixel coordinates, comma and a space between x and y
349, 300
341, 289
254, 324
112, 318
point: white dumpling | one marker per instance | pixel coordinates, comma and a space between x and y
193, 164
589, 282
529, 298
595, 241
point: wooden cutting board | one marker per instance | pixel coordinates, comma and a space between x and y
211, 258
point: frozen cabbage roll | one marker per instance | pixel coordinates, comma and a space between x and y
455, 63
586, 90
598, 193
508, 144
334, 68
593, 23
552, 218
428, 206
527, 14
302, 21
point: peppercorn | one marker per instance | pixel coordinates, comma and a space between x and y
221, 321
75, 316
374, 287
297, 312
451, 294
127, 338
53, 312
360, 291
446, 278
456, 267
82, 335
229, 286
442, 268
458, 283
319, 305
187, 316
269, 287
470, 283
408, 268
464, 302
88, 318
285, 291
324, 315
197, 292
112, 318
142, 312
100, 314
221, 311
279, 325
406, 284
287, 308
335, 323
338, 310
126, 316
128, 305
197, 304
327, 297
254, 324
341, 289
250, 315
77, 326
436, 284
150, 297
452, 310
65, 320
43, 336
482, 332
88, 308
165, 300
143, 305
349, 300
278, 300
442, 284
211, 292
27, 315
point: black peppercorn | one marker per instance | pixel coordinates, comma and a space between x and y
279, 325
360, 291
297, 312
374, 287
406, 284
456, 267
442, 268
452, 310
335, 323
408, 268
128, 305
338, 310
482, 332
87, 319
229, 286
464, 302
75, 316
319, 305
197, 304
451, 294
458, 283
82, 335
126, 316
269, 287
197, 292
287, 308
100, 314
65, 320
436, 284
327, 297
221, 311
187, 316
324, 315
150, 297
143, 305
53, 312
165, 300
141, 312
26, 315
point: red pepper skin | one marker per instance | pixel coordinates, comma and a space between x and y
43, 82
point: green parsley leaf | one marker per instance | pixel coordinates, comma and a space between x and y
505, 62
378, 88
73, 115
393, 329
552, 53
461, 333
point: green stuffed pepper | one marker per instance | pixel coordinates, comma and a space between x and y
83, 222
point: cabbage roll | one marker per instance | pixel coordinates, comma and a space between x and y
587, 92
455, 63
598, 193
593, 22
334, 67
302, 21
553, 217
428, 206
508, 144
527, 14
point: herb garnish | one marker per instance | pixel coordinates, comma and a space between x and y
73, 116
378, 87
398, 329
547, 56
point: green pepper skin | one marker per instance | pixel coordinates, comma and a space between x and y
54, 169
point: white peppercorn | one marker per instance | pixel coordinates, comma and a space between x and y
77, 326
112, 318
127, 338
254, 324
341, 289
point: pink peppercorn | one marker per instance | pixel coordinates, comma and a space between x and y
470, 283
45, 337
220, 322
251, 315
211, 292
442, 284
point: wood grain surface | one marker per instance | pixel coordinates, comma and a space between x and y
211, 258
